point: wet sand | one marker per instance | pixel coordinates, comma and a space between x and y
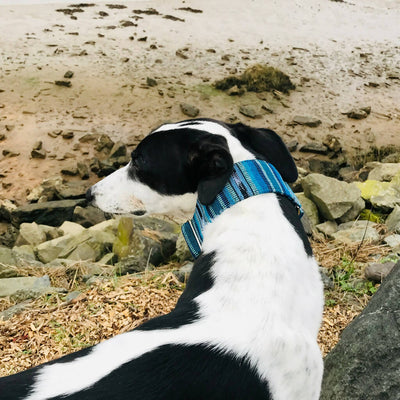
340, 55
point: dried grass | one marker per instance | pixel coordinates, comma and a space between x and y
52, 327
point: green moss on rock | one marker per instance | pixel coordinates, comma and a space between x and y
258, 78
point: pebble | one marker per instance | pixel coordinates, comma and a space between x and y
376, 272
189, 110
307, 121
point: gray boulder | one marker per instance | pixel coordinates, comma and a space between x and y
50, 250
376, 272
328, 228
144, 242
309, 208
393, 241
15, 286
88, 216
393, 220
383, 172
52, 213
30, 234
336, 200
355, 232
365, 364
6, 256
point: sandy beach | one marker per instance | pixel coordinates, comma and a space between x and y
340, 55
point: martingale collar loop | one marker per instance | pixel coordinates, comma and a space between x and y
249, 178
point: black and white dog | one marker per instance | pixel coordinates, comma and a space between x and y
247, 323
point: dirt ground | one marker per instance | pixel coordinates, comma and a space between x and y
340, 55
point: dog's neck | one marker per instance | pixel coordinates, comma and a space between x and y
249, 178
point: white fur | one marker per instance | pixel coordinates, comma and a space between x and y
266, 304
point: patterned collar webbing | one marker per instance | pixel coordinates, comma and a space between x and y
249, 178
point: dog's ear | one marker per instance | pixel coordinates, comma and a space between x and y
211, 164
266, 145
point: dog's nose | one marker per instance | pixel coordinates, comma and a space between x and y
89, 196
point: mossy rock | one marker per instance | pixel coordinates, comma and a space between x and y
258, 78
371, 188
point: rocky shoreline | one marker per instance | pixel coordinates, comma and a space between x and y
57, 233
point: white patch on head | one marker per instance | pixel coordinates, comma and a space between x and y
238, 152
118, 193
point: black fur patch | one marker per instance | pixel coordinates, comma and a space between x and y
186, 309
178, 372
290, 212
17, 386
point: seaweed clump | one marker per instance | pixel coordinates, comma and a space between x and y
258, 78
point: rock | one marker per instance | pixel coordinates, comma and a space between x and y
71, 228
328, 228
314, 147
384, 196
63, 83
68, 75
72, 295
104, 143
249, 111
49, 251
333, 143
144, 241
307, 224
357, 114
71, 190
24, 253
324, 167
307, 121
335, 200
118, 150
309, 208
11, 286
88, 216
83, 170
184, 271
46, 191
10, 153
235, 91
110, 225
38, 154
108, 259
70, 170
393, 220
30, 234
393, 241
326, 280
292, 145
392, 158
14, 310
182, 250
189, 110
8, 236
89, 245
355, 232
376, 272
151, 82
52, 213
384, 172
6, 209
6, 256
365, 363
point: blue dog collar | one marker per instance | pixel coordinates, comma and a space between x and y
249, 178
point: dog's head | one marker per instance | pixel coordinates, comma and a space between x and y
178, 163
